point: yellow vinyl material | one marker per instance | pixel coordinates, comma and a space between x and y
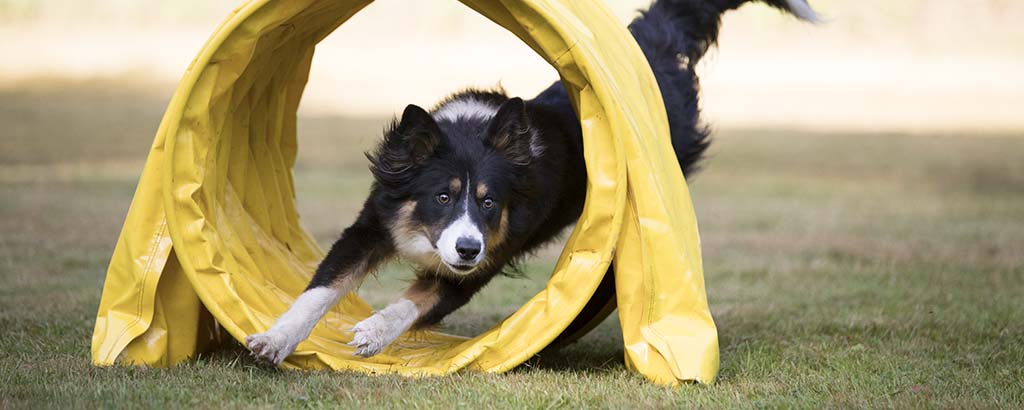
213, 237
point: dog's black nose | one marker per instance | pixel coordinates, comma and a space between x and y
467, 248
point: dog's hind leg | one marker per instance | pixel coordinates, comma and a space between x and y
361, 248
430, 298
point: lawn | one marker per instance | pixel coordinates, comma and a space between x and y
844, 270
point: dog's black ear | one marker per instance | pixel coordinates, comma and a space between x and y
510, 133
419, 133
409, 141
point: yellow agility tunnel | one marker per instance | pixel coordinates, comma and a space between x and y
213, 242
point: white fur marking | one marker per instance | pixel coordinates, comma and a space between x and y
294, 325
372, 335
802, 10
465, 108
461, 228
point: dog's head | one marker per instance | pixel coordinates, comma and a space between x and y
450, 179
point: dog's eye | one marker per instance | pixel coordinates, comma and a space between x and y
443, 198
488, 203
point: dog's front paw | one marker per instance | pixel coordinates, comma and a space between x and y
372, 335
271, 346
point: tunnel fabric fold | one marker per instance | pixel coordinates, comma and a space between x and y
213, 236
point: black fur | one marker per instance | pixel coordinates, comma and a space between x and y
528, 155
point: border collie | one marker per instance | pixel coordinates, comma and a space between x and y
466, 189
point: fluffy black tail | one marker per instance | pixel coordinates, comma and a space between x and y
674, 35
687, 28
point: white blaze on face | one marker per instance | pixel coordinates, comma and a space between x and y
462, 227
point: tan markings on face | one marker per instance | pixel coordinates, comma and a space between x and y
411, 239
454, 185
424, 294
351, 279
404, 216
481, 190
407, 209
497, 237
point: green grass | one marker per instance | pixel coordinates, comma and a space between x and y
860, 270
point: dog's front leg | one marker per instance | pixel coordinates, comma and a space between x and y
361, 247
430, 298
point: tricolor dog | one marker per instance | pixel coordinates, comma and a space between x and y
468, 188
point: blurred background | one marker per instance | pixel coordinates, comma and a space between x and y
914, 65
860, 209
